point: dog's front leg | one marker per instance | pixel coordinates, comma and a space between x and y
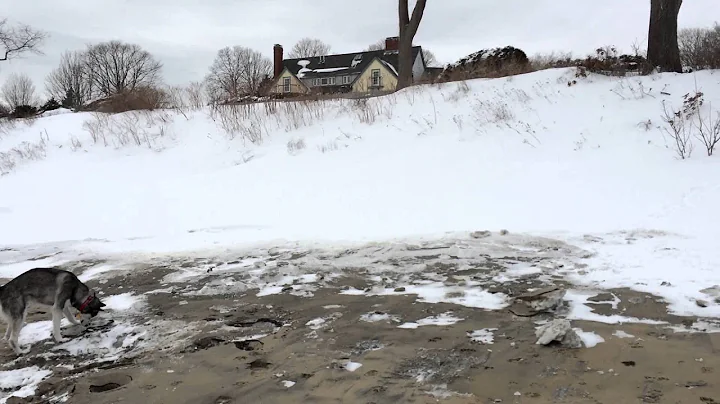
57, 315
68, 314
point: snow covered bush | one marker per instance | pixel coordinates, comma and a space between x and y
487, 63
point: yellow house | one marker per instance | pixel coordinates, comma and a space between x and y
360, 72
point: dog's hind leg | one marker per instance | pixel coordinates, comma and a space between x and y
14, 326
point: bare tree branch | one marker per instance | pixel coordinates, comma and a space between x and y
236, 72
14, 41
308, 47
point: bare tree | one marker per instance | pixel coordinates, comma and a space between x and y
237, 71
663, 49
70, 82
379, 45
700, 47
408, 29
115, 67
308, 47
14, 41
430, 58
18, 90
196, 95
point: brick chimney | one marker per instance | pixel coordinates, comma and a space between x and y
277, 60
392, 43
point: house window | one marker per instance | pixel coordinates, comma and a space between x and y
286, 84
324, 81
375, 77
331, 81
322, 59
346, 79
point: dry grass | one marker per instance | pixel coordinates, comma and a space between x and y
25, 151
138, 128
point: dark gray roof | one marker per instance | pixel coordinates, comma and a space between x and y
346, 63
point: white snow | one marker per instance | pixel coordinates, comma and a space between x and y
287, 383
96, 271
374, 317
483, 336
124, 302
330, 69
622, 334
316, 323
22, 382
580, 309
439, 320
352, 366
589, 338
439, 292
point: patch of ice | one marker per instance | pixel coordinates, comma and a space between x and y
701, 325
21, 382
589, 338
316, 324
352, 292
251, 337
165, 290
374, 317
443, 319
124, 302
622, 334
108, 345
353, 366
287, 383
483, 336
95, 272
516, 271
441, 391
580, 311
37, 331
469, 295
332, 306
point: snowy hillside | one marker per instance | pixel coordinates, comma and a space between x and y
530, 154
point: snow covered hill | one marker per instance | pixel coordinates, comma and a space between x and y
535, 153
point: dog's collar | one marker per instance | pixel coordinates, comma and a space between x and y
85, 304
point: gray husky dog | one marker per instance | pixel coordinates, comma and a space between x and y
52, 287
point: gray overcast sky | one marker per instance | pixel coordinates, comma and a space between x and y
186, 34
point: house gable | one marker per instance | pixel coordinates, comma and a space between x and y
379, 75
295, 85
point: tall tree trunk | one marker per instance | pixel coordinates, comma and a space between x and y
663, 49
408, 29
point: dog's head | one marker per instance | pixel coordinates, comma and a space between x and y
92, 305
